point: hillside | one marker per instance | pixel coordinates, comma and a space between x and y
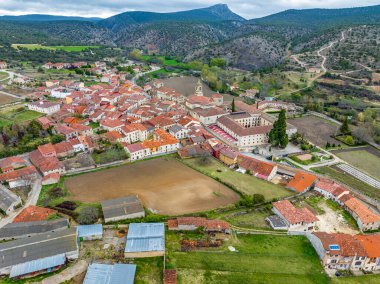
203, 33
45, 18
323, 18
216, 13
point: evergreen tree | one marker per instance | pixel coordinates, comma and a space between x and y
344, 128
278, 136
233, 109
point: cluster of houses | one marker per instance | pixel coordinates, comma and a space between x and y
61, 65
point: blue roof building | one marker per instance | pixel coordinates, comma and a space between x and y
90, 232
110, 274
43, 265
145, 240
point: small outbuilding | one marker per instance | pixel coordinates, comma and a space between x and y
145, 240
38, 266
123, 208
110, 274
90, 232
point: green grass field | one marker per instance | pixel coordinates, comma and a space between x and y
253, 219
350, 181
3, 75
149, 270
78, 48
243, 183
260, 259
363, 160
17, 114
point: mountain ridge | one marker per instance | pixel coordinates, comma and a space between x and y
46, 18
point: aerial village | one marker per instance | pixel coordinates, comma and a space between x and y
150, 122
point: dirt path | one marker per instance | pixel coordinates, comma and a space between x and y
67, 274
333, 222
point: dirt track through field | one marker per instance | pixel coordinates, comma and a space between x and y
165, 185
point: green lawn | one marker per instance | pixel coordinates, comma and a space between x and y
364, 160
243, 183
149, 270
78, 48
350, 181
253, 219
17, 114
260, 259
3, 75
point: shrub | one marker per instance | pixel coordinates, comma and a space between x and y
88, 215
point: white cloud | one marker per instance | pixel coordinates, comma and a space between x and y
97, 8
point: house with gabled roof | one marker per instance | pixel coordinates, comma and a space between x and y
302, 181
259, 169
297, 219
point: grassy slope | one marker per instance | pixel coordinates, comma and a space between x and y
364, 160
64, 48
350, 181
18, 114
261, 259
244, 183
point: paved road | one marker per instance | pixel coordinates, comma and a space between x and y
138, 75
32, 200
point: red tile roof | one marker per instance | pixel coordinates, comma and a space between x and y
18, 174
301, 181
47, 149
348, 245
255, 166
33, 213
365, 214
371, 244
294, 215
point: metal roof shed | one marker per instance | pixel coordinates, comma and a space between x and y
110, 274
37, 265
90, 232
145, 240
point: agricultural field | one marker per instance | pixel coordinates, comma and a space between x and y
258, 259
350, 181
78, 48
164, 185
364, 158
243, 183
316, 130
3, 75
17, 114
4, 99
186, 86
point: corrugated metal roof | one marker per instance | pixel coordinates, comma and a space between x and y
90, 230
121, 206
37, 265
22, 229
37, 247
110, 274
142, 230
7, 198
144, 237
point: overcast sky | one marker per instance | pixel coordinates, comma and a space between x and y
103, 8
